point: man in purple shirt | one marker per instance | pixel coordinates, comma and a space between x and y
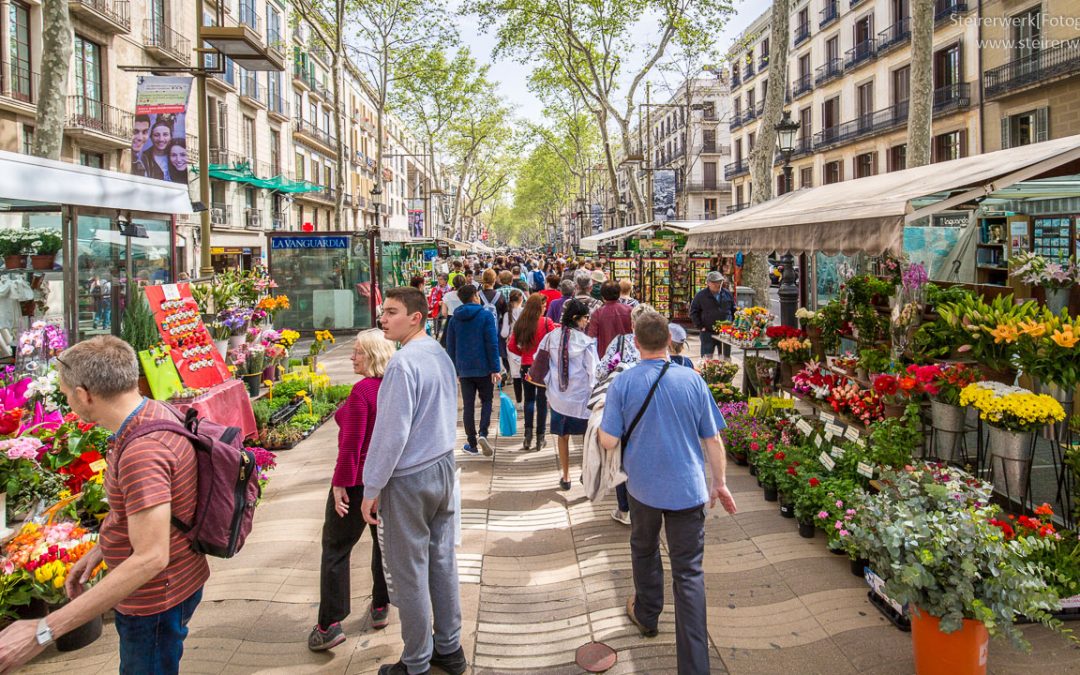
554, 310
611, 320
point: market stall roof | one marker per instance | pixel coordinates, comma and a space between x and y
480, 247
46, 181
593, 241
395, 234
868, 214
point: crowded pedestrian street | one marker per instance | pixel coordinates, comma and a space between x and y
542, 573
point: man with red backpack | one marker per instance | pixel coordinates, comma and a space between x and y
435, 298
155, 577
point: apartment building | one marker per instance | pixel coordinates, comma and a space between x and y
689, 133
849, 85
1031, 71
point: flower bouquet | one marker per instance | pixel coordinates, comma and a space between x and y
813, 381
1036, 270
47, 553
1011, 408
793, 350
724, 392
717, 371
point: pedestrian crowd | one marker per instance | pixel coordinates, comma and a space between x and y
583, 358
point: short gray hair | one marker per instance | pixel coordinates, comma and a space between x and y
583, 280
566, 287
104, 366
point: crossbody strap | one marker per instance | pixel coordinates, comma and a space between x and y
648, 399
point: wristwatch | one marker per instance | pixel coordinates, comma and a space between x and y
44, 634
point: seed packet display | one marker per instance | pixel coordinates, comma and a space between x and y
181, 326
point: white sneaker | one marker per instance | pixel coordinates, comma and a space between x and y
485, 446
621, 516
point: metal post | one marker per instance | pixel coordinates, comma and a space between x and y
206, 267
789, 290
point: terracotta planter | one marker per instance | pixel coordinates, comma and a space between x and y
806, 529
15, 262
962, 652
42, 262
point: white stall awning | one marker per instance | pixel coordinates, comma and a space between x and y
593, 241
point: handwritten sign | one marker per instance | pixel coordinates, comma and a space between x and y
864, 469
826, 461
804, 426
837, 452
852, 434
818, 441
826, 417
834, 429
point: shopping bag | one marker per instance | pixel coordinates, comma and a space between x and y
507, 415
161, 373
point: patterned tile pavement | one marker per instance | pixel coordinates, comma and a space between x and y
543, 572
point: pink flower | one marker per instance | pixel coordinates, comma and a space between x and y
823, 514
754, 446
844, 533
838, 525
839, 504
850, 512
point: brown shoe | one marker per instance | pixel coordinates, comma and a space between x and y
645, 632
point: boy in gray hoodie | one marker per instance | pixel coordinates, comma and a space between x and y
409, 485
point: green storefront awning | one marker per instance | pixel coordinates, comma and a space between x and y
241, 173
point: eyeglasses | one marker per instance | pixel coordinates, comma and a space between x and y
66, 366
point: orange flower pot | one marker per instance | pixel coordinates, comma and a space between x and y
960, 653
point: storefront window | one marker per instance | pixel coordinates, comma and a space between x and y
21, 289
327, 279
829, 270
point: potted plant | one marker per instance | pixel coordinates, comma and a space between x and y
929, 536
718, 371
947, 416
44, 246
871, 362
770, 465
810, 498
1056, 279
1049, 351
1013, 415
987, 332
139, 329
323, 339
838, 510
893, 440
897, 392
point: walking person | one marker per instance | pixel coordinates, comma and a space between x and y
711, 304
472, 341
528, 333
409, 490
554, 310
512, 361
441, 288
610, 320
625, 290
570, 379
343, 525
661, 416
450, 303
583, 283
155, 579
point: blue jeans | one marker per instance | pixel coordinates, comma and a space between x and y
470, 387
153, 645
622, 496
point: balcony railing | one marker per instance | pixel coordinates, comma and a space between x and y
952, 96
277, 105
946, 98
748, 70
250, 17
311, 131
274, 40
943, 9
736, 119
802, 85
165, 42
1038, 67
706, 186
304, 75
802, 34
831, 70
736, 80
249, 87
860, 53
111, 15
715, 149
219, 213
736, 168
893, 36
735, 208
89, 114
829, 14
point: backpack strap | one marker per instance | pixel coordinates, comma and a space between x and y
648, 399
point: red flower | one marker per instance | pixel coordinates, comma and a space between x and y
779, 456
885, 385
1044, 510
1047, 530
814, 482
791, 470
907, 384
1005, 528
9, 421
1028, 522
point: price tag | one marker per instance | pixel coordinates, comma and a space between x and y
837, 452
782, 403
818, 441
171, 291
864, 469
826, 461
804, 426
852, 434
826, 417
98, 465
834, 429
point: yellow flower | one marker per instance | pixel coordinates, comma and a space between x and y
1032, 328
1065, 337
1004, 333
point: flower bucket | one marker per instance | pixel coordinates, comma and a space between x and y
222, 347
1057, 299
1010, 461
770, 493
236, 341
253, 383
962, 652
949, 425
787, 507
42, 262
806, 529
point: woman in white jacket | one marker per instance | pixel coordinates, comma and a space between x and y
570, 379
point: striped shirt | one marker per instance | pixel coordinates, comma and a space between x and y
356, 420
156, 469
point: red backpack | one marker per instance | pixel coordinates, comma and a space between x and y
228, 488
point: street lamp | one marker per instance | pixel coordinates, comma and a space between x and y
374, 256
788, 293
622, 212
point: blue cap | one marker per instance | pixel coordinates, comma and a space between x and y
677, 332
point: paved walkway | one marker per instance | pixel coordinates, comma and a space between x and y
542, 572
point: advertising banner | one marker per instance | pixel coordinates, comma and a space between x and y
663, 195
597, 218
159, 133
416, 223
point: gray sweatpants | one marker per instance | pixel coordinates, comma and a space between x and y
416, 533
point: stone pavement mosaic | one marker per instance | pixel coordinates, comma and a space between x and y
543, 572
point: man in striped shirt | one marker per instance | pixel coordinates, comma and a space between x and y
154, 578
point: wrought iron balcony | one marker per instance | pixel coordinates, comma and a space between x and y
736, 120
830, 14
943, 9
1042, 65
735, 208
895, 35
952, 96
748, 70
705, 186
736, 168
859, 54
276, 105
226, 78
802, 34
309, 130
274, 40
24, 84
736, 80
111, 16
802, 85
250, 17
830, 71
250, 89
304, 76
165, 44
98, 122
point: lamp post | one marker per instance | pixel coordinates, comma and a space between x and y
788, 293
622, 212
374, 257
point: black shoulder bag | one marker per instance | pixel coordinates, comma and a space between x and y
648, 399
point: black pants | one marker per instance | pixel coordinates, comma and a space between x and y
535, 404
339, 536
685, 531
470, 387
709, 345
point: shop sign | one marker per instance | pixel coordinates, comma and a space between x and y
950, 220
279, 243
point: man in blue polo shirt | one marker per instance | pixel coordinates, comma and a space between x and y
665, 465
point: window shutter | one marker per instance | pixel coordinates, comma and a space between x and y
963, 143
1042, 124
1005, 122
934, 154
873, 163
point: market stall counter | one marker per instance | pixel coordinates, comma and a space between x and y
226, 403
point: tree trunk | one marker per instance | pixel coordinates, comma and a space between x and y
756, 265
339, 113
920, 105
56, 46
385, 72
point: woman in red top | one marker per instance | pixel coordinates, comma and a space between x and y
530, 329
344, 524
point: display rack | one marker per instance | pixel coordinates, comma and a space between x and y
656, 283
992, 251
623, 266
1052, 237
